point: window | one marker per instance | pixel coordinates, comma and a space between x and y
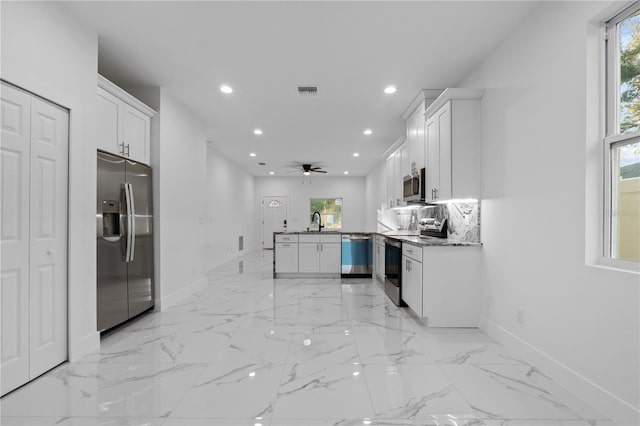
330, 210
622, 140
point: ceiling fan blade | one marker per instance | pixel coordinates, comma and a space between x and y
319, 171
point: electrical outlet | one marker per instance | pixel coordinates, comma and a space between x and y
520, 315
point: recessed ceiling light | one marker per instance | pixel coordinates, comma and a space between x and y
367, 132
257, 132
272, 173
346, 172
252, 154
355, 154
390, 89
226, 89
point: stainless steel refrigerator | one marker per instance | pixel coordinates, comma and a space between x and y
125, 240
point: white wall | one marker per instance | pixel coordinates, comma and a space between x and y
581, 322
375, 194
180, 168
46, 51
300, 190
231, 209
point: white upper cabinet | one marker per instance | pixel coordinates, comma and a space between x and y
124, 123
453, 145
416, 137
396, 163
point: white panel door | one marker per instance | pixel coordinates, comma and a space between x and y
433, 156
274, 218
34, 186
14, 204
48, 235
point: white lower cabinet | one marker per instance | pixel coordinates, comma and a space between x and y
286, 257
412, 277
330, 260
308, 257
319, 253
451, 288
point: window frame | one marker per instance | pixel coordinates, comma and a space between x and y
612, 136
341, 211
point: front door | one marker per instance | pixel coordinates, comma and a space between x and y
274, 218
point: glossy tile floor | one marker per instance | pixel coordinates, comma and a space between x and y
250, 350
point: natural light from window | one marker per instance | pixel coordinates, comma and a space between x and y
623, 137
330, 210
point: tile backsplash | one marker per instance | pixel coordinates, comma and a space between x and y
463, 219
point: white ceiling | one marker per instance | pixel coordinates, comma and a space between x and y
263, 49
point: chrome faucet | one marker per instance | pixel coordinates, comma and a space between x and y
320, 225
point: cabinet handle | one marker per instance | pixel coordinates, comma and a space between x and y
286, 245
121, 152
436, 191
127, 150
321, 247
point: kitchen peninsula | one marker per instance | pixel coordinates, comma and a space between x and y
438, 274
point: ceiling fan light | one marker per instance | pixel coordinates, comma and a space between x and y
306, 173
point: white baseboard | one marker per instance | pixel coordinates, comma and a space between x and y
84, 346
175, 297
621, 412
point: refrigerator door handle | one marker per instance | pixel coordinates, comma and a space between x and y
132, 214
128, 257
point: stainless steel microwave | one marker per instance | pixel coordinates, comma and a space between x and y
413, 187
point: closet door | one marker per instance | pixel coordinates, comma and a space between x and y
48, 235
33, 235
14, 236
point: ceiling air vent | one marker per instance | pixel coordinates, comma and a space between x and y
262, 164
308, 90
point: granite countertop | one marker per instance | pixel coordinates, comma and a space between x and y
406, 236
432, 241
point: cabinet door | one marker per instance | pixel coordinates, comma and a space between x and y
286, 257
109, 134
135, 134
398, 175
390, 175
443, 117
412, 284
418, 156
330, 260
433, 141
308, 257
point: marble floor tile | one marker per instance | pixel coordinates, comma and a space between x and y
413, 392
232, 391
80, 421
507, 392
323, 348
382, 346
144, 390
252, 350
311, 391
245, 348
469, 353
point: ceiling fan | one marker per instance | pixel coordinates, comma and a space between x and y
307, 169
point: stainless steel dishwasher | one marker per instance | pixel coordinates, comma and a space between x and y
357, 257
